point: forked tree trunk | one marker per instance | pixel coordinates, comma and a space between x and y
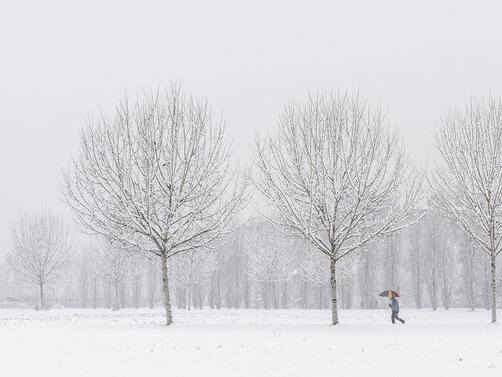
494, 288
334, 308
165, 288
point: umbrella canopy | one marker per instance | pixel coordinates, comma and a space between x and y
389, 293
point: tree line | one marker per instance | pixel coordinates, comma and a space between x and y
154, 187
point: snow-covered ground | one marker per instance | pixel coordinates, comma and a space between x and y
99, 343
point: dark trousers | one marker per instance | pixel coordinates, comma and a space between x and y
394, 316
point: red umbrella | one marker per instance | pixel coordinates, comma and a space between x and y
389, 293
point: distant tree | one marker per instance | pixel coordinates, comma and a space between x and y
448, 263
469, 274
467, 180
368, 278
151, 270
192, 268
216, 277
114, 264
82, 266
472, 265
40, 249
434, 249
156, 176
416, 260
314, 269
392, 261
268, 260
336, 176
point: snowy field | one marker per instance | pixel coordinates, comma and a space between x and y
99, 343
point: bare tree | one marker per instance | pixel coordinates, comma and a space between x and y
391, 261
152, 280
83, 264
40, 249
434, 251
447, 272
314, 269
114, 264
156, 177
470, 270
416, 260
215, 291
337, 176
468, 178
367, 272
192, 268
137, 271
268, 260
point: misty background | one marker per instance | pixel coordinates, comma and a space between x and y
62, 61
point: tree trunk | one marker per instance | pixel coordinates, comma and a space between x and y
218, 289
211, 296
123, 296
151, 285
236, 298
320, 297
108, 296
494, 288
471, 286
446, 288
95, 301
42, 307
265, 290
470, 277
136, 292
419, 285
487, 283
285, 295
116, 303
334, 308
200, 296
434, 290
181, 297
165, 288
273, 289
189, 297
304, 294
247, 294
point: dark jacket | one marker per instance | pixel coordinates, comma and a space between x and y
394, 305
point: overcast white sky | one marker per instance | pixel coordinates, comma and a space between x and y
62, 60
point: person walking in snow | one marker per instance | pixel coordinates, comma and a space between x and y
394, 305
